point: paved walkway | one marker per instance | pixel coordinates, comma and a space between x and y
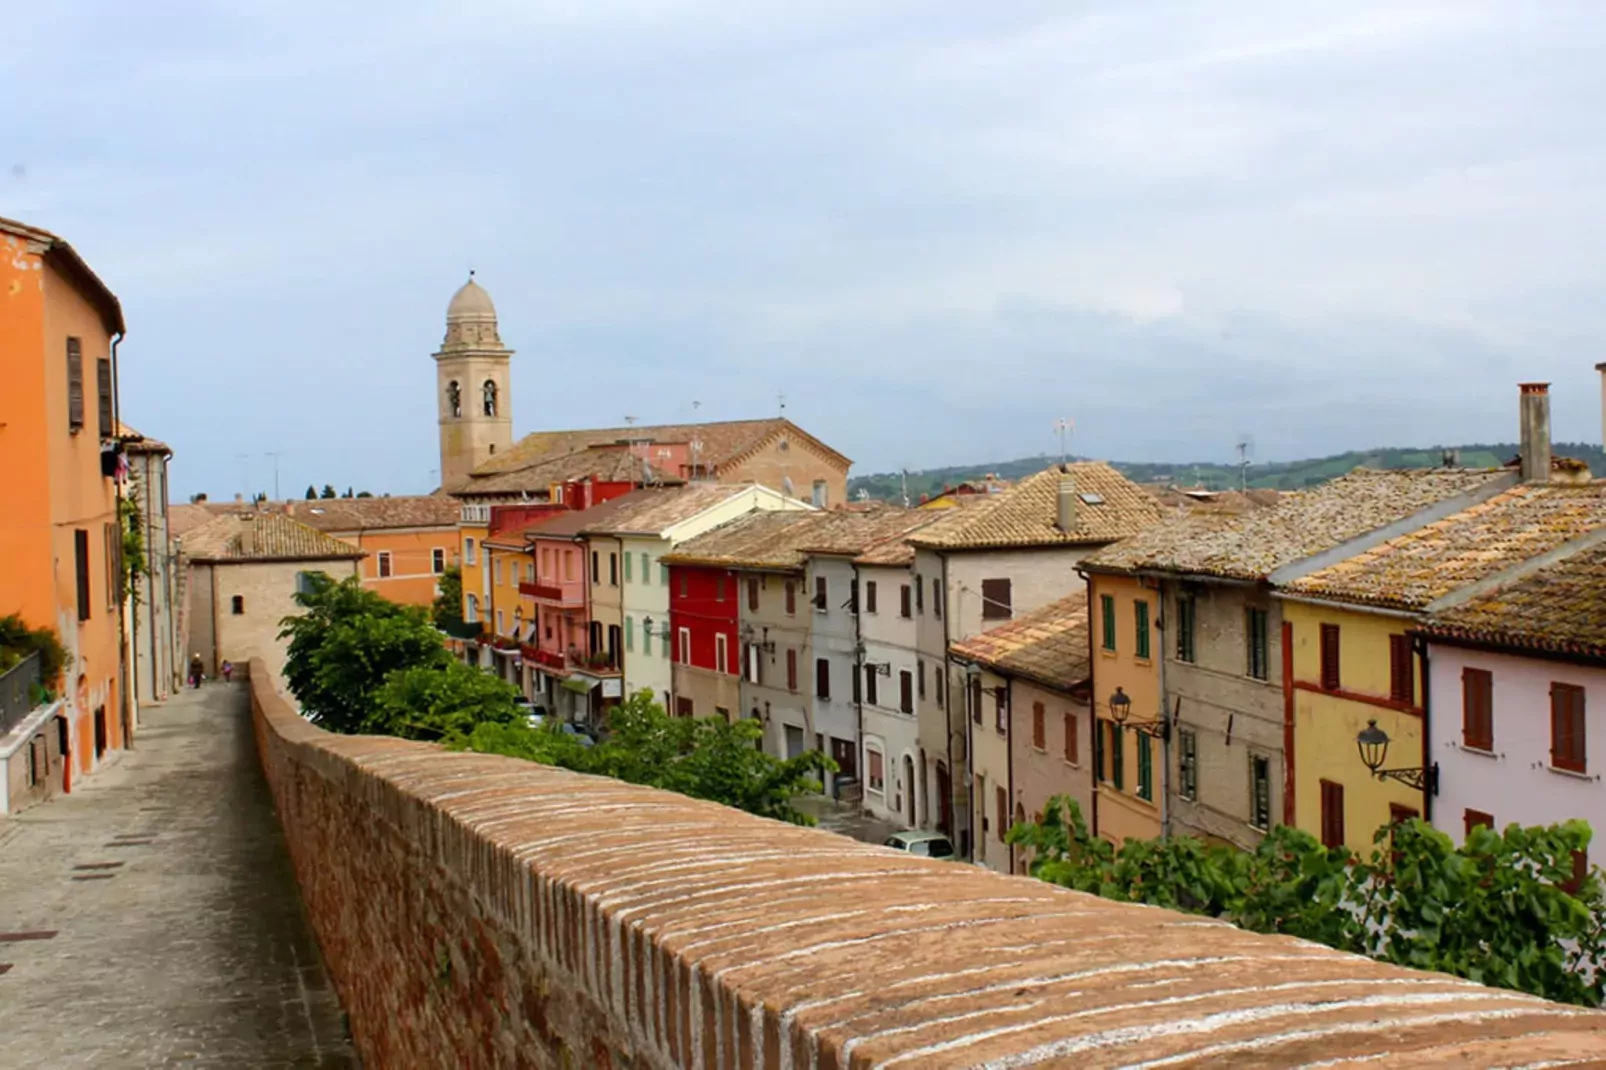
160, 918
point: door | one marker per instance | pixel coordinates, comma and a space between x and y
909, 789
794, 741
945, 802
846, 756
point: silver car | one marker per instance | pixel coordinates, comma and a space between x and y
927, 844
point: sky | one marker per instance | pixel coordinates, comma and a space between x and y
934, 226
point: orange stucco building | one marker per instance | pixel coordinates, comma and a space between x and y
410, 541
59, 533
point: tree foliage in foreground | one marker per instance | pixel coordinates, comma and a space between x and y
447, 609
1505, 909
358, 662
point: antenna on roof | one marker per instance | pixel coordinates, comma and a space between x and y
1063, 427
1246, 450
781, 401
630, 421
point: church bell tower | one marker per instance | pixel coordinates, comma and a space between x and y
471, 380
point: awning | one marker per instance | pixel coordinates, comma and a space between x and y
578, 684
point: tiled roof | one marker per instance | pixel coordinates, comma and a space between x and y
1560, 609
777, 540
1025, 514
609, 464
185, 517
722, 441
1048, 645
370, 514
1412, 570
1253, 544
134, 442
252, 536
656, 509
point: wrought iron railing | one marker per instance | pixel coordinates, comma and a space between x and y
17, 685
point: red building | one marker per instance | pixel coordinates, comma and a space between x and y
703, 607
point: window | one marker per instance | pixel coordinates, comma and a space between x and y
1260, 795
683, 585
721, 653
501, 622
937, 678
791, 670
755, 664
237, 605
920, 594
1332, 812
663, 576
1070, 737
1141, 611
1259, 652
1188, 764
646, 570
1471, 819
384, 564
546, 563
1098, 750
1399, 814
995, 604
1329, 650
821, 494
685, 707
437, 560
752, 593
75, 386
869, 596
1001, 708
1117, 755
103, 388
869, 685
471, 608
875, 763
936, 600
496, 569
1567, 727
80, 551
630, 632
111, 546
685, 646
1039, 727
629, 575
920, 677
820, 591
469, 557
858, 686
906, 691
613, 570
905, 605
822, 678
1185, 624
596, 571
975, 699
1402, 680
1477, 709
791, 598
1145, 766
529, 572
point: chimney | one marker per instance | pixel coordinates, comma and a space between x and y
1602, 369
1535, 444
238, 497
1065, 515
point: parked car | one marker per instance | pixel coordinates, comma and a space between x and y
916, 842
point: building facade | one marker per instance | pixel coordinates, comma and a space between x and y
410, 541
897, 680
155, 634
703, 626
473, 388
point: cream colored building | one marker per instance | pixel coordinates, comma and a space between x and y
244, 571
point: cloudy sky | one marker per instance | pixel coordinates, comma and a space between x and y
934, 226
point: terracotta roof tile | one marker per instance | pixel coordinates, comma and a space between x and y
609, 464
185, 517
372, 514
1025, 514
777, 540
1560, 608
722, 441
655, 509
1048, 645
1253, 544
249, 536
1413, 570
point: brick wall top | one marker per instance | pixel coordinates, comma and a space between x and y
711, 938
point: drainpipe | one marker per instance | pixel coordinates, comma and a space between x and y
1092, 711
1009, 761
1167, 725
1421, 644
124, 647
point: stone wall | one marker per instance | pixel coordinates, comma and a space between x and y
478, 911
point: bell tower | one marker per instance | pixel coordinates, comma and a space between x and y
471, 386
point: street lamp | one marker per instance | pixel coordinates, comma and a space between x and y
1373, 744
1120, 706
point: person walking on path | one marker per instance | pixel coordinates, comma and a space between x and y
227, 669
197, 670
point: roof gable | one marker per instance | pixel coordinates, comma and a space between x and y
1048, 645
252, 536
1108, 507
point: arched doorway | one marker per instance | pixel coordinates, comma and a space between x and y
909, 782
945, 801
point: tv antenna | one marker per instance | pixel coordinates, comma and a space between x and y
275, 454
1245, 446
1063, 427
780, 400
630, 421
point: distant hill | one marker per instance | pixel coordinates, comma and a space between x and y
1285, 475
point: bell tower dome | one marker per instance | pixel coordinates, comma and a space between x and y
471, 386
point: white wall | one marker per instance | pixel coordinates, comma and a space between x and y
891, 638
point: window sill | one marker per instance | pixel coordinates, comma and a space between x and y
1039, 750
1573, 773
1481, 752
1146, 662
1106, 652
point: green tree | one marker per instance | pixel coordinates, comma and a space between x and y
438, 701
328, 491
447, 610
345, 645
312, 492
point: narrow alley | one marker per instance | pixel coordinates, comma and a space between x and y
151, 917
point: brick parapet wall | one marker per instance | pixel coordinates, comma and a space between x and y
479, 911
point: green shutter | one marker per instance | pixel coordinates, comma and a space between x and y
628, 577
1107, 607
630, 622
1143, 628
1145, 767
1117, 758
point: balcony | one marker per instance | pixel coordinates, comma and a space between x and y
547, 659
17, 687
567, 598
464, 629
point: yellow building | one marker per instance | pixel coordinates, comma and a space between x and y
1129, 762
1353, 658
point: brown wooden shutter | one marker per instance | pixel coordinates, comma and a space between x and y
1039, 727
870, 695
869, 596
1402, 680
822, 678
1332, 814
1329, 650
75, 385
1002, 798
791, 670
1477, 708
80, 547
995, 601
906, 692
1070, 738
103, 395
1567, 727
975, 699
791, 598
752, 593
1471, 819
903, 601
819, 592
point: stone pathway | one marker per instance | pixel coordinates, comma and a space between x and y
151, 917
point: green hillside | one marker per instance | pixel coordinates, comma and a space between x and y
1284, 475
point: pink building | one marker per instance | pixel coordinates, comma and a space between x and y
1517, 690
